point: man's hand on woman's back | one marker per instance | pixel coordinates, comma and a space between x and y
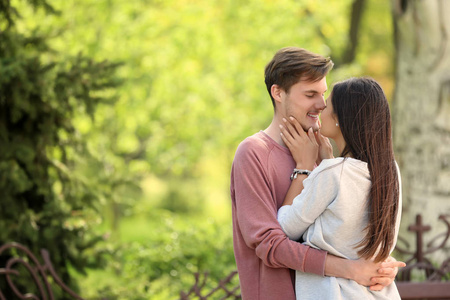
365, 272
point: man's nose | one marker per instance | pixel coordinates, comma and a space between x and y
320, 102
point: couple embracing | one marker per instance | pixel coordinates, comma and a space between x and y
307, 225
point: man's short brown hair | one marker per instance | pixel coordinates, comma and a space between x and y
291, 64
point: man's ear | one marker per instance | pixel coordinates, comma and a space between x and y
276, 92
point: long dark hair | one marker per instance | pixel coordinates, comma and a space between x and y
364, 118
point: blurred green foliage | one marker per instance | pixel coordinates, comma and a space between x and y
45, 201
192, 89
163, 264
194, 75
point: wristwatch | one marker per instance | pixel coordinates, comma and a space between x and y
299, 171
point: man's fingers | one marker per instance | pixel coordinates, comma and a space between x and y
376, 287
383, 281
393, 264
387, 272
390, 258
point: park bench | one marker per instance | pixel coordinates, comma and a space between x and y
39, 272
436, 285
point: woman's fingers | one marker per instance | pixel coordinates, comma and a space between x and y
292, 132
291, 128
320, 138
316, 136
298, 128
312, 137
286, 140
302, 145
285, 135
322, 141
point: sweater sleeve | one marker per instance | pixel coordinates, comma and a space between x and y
319, 190
256, 212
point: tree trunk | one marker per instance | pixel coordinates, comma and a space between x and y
421, 107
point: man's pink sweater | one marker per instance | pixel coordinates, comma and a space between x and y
260, 178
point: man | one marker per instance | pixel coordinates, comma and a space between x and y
260, 178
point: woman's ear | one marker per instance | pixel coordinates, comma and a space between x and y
276, 91
335, 118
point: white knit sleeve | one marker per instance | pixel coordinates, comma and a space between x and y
319, 190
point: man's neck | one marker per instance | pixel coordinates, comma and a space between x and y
274, 132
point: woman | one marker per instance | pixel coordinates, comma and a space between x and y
350, 206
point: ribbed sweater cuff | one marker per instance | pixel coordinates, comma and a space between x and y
315, 261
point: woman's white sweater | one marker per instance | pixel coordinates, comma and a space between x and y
331, 214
